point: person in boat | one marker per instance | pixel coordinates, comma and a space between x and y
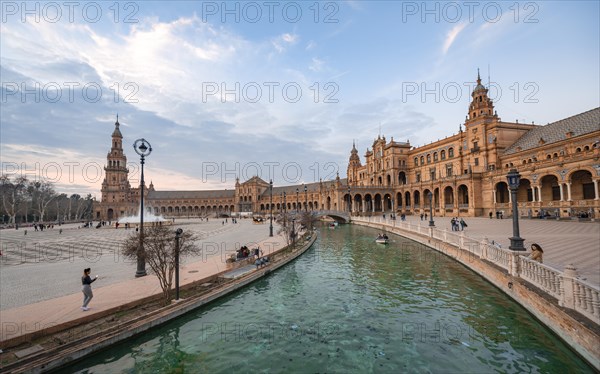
385, 236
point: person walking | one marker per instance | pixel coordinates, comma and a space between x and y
86, 282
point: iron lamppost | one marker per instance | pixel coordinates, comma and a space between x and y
177, 237
305, 199
271, 208
516, 242
349, 201
144, 151
431, 223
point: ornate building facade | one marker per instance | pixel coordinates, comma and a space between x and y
463, 175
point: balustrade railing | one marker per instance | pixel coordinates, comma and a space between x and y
586, 300
545, 277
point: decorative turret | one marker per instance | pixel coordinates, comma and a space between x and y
353, 165
482, 105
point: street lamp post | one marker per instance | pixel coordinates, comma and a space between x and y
297, 202
431, 223
177, 237
305, 199
516, 242
271, 206
349, 201
293, 232
144, 151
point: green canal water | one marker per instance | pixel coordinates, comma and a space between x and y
349, 305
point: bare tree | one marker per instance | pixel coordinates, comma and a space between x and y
159, 248
308, 219
41, 193
13, 194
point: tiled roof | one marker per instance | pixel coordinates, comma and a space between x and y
212, 194
580, 124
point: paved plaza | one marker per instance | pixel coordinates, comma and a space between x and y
46, 265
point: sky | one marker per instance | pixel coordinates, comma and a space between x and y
278, 89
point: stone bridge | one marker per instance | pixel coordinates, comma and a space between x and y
339, 216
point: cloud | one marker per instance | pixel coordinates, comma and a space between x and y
316, 65
283, 41
451, 36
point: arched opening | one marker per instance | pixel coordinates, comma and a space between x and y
502, 193
582, 187
463, 196
110, 214
407, 200
402, 177
389, 180
417, 199
328, 206
387, 200
378, 205
358, 203
525, 191
398, 201
448, 198
550, 190
368, 203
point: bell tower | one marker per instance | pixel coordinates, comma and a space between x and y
481, 106
353, 166
115, 187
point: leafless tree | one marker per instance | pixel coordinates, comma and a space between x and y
308, 219
159, 248
13, 194
41, 193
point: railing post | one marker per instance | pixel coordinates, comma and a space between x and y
567, 296
445, 235
461, 240
513, 265
431, 232
483, 248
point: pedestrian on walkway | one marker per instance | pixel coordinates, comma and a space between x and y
463, 224
86, 282
537, 253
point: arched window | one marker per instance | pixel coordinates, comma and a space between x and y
450, 152
435, 156
416, 161
428, 159
443, 155
422, 160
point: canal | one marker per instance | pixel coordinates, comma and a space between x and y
350, 305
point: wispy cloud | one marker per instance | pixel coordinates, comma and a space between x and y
283, 41
452, 35
316, 65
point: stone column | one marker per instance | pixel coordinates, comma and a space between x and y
514, 263
494, 196
560, 186
568, 280
596, 194
509, 198
539, 189
568, 191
